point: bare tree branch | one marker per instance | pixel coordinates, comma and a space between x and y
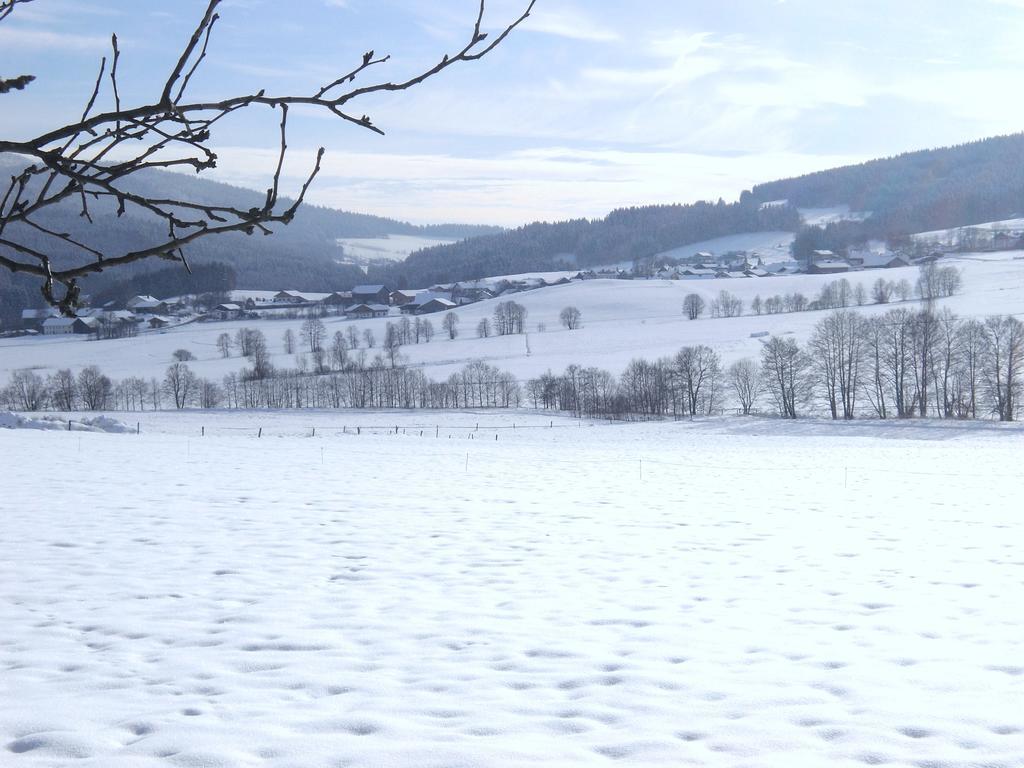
94, 159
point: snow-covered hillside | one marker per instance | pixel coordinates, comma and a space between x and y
820, 217
621, 320
957, 234
772, 247
723, 593
363, 250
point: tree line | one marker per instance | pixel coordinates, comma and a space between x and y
901, 364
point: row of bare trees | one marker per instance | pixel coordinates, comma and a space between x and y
355, 385
933, 282
901, 364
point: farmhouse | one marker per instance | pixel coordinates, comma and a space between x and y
159, 322
426, 304
371, 294
147, 305
828, 265
228, 311
299, 297
364, 311
32, 319
398, 298
57, 326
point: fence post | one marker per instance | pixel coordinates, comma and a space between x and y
69, 425
260, 433
437, 430
314, 431
137, 429
202, 431
359, 431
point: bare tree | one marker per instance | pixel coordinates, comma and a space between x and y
837, 351
509, 318
570, 317
339, 351
313, 333
63, 390
180, 384
699, 370
784, 368
94, 389
1004, 364
693, 305
224, 345
483, 328
427, 330
881, 291
182, 355
450, 323
92, 160
745, 382
289, 342
860, 294
369, 338
27, 390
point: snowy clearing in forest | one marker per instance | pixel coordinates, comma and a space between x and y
721, 592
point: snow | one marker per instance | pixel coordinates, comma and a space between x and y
387, 248
622, 320
770, 246
722, 592
10, 420
820, 217
953, 235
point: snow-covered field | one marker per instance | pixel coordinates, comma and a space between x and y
770, 246
954, 235
621, 320
724, 592
388, 248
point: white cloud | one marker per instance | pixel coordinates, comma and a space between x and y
21, 38
568, 23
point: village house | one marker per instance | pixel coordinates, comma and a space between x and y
228, 311
398, 298
147, 305
32, 319
425, 305
364, 311
299, 297
371, 294
57, 326
827, 263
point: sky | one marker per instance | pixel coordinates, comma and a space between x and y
587, 107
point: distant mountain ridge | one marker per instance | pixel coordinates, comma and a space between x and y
302, 255
913, 192
918, 191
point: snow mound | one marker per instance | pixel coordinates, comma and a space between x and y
9, 420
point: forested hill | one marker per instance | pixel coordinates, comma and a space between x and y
302, 255
623, 235
918, 191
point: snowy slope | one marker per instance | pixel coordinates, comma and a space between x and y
820, 217
770, 246
389, 248
951, 236
621, 320
726, 593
